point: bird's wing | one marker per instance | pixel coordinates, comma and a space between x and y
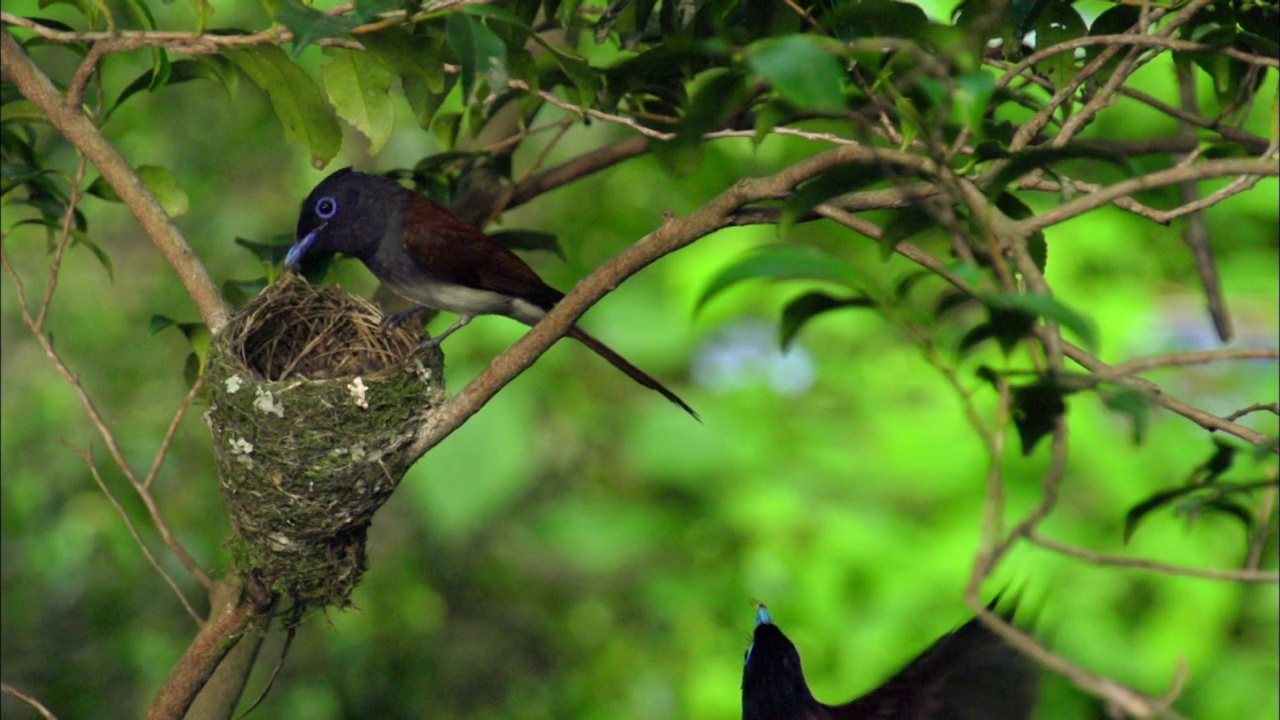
970, 674
447, 247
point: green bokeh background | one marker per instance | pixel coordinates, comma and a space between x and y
580, 549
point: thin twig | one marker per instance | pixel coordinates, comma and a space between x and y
1206, 420
1253, 143
1273, 408
1200, 357
1231, 167
108, 437
35, 704
87, 457
1130, 701
1097, 558
163, 451
55, 265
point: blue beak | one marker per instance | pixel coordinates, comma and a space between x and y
301, 247
763, 617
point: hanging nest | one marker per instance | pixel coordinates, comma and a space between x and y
312, 407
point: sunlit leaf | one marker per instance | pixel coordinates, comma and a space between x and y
302, 111
800, 71
780, 262
158, 180
359, 88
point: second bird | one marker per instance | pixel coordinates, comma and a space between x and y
429, 256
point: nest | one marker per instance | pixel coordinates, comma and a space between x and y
313, 406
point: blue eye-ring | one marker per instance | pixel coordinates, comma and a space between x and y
326, 207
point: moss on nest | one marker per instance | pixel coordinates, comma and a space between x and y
312, 407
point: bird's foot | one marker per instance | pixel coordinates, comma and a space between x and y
429, 344
396, 319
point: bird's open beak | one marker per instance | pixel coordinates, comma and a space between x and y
301, 247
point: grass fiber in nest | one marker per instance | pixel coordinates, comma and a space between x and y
312, 407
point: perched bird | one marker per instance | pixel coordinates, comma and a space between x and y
970, 674
429, 256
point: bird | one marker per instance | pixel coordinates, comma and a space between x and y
968, 674
432, 258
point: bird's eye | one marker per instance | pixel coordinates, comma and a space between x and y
326, 207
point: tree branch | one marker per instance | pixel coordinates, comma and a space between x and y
244, 608
1096, 558
80, 131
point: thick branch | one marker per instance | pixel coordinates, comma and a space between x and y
673, 235
79, 129
243, 608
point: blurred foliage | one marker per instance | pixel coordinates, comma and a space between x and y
579, 549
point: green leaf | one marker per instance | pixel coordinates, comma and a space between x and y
409, 55
811, 304
610, 17
204, 11
1058, 23
81, 238
207, 67
302, 111
1115, 21
1037, 158
834, 182
1135, 405
271, 252
309, 24
196, 333
875, 18
367, 10
780, 262
1007, 325
158, 180
1037, 245
1050, 308
904, 223
480, 53
1036, 408
970, 98
1223, 458
445, 126
22, 111
718, 96
1140, 511
800, 71
239, 292
359, 89
164, 186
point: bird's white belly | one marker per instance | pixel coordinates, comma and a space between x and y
470, 301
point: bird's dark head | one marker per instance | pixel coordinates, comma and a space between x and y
349, 213
773, 685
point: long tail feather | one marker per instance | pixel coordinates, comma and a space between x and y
632, 371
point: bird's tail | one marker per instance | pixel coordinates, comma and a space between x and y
632, 371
